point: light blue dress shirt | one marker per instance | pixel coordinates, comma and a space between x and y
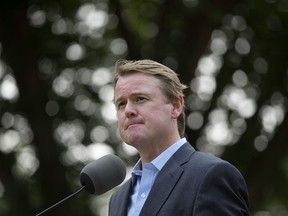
143, 179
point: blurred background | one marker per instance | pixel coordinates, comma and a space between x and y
56, 92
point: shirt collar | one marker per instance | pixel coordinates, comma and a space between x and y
160, 160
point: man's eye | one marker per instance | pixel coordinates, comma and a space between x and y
140, 99
121, 105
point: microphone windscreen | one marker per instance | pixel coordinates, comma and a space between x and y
103, 174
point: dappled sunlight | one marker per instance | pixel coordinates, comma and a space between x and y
204, 145
242, 46
7, 120
8, 88
74, 154
195, 120
22, 126
238, 124
240, 78
52, 108
85, 153
209, 65
106, 93
196, 103
118, 46
108, 112
17, 138
75, 52
260, 65
204, 86
37, 16
61, 26
17, 133
97, 150
99, 205
9, 141
238, 23
129, 150
27, 162
46, 68
261, 143
63, 84
218, 42
100, 77
218, 131
83, 76
85, 105
99, 134
70, 133
236, 98
219, 134
2, 66
92, 19
272, 116
82, 103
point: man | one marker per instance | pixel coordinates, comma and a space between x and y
171, 178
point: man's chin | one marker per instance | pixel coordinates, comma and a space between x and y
133, 141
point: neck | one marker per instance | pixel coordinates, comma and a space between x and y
150, 152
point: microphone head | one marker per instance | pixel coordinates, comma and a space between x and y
103, 174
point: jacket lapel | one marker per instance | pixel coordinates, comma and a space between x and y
166, 180
122, 197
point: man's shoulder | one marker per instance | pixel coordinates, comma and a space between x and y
202, 160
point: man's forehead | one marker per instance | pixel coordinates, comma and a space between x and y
135, 80
136, 90
134, 87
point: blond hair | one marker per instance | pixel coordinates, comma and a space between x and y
172, 87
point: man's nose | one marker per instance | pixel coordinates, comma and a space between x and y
130, 110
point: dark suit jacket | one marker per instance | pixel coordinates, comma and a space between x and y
190, 183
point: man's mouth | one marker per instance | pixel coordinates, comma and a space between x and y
132, 125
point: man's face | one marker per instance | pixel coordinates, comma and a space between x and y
144, 116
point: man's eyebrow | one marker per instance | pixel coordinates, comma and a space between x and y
116, 100
141, 93
133, 94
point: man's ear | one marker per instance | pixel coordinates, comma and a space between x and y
178, 105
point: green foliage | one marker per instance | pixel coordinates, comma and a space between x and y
56, 91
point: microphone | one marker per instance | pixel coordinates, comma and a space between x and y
98, 177
103, 174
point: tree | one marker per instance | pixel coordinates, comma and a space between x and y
56, 91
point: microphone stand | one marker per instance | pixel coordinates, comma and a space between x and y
56, 204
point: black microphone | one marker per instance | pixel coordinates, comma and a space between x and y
103, 174
98, 177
